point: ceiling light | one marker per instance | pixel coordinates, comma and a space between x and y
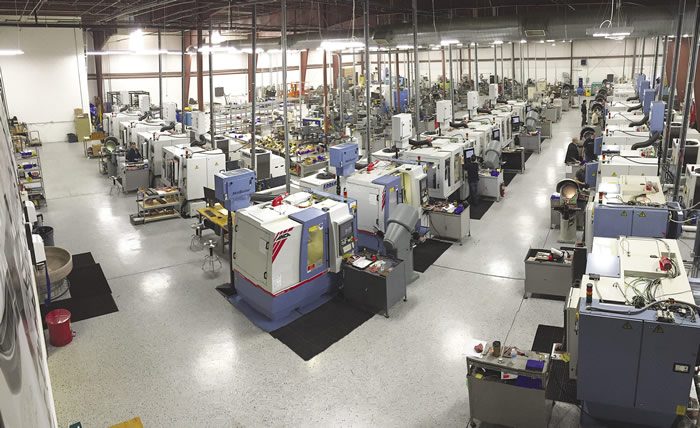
216, 37
550, 41
541, 41
250, 50
149, 52
404, 47
686, 35
523, 41
554, 44
333, 45
136, 40
448, 42
610, 31
498, 42
9, 52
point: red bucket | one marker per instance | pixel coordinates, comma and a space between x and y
58, 322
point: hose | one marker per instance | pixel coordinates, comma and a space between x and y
642, 121
633, 108
145, 115
634, 98
483, 110
651, 140
123, 109
168, 127
458, 125
262, 197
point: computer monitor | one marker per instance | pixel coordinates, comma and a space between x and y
468, 153
210, 196
527, 109
496, 135
515, 119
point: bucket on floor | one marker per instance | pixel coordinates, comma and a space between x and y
60, 333
46, 233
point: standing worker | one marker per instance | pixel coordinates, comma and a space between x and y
472, 169
583, 113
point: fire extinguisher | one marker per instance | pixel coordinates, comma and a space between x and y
503, 190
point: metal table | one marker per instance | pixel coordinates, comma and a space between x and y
514, 160
376, 291
508, 402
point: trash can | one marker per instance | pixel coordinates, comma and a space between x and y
60, 333
46, 233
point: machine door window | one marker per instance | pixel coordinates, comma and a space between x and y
432, 176
448, 178
315, 251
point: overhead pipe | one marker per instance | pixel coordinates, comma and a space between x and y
672, 89
212, 123
662, 75
368, 97
254, 86
690, 84
416, 73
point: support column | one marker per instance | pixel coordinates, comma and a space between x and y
656, 61
303, 64
398, 87
160, 76
641, 59
212, 122
287, 163
672, 90
200, 67
689, 89
253, 85
368, 97
416, 72
495, 64
634, 59
444, 77
452, 81
662, 73
523, 87
476, 67
325, 93
185, 77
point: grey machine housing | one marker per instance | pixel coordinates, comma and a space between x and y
398, 237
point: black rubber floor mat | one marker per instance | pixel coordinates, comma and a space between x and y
527, 155
478, 211
90, 293
508, 176
426, 253
316, 331
88, 281
560, 387
226, 290
83, 260
546, 336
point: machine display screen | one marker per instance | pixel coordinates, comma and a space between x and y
527, 109
345, 230
516, 119
496, 134
468, 153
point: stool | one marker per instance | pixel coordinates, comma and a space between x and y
196, 241
211, 260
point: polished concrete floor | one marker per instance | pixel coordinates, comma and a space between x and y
177, 354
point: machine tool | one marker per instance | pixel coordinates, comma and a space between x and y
443, 163
233, 188
568, 207
269, 167
632, 333
401, 130
288, 253
632, 205
151, 145
191, 169
692, 186
398, 240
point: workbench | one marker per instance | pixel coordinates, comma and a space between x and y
450, 226
518, 402
490, 186
546, 129
550, 277
216, 219
514, 159
376, 291
531, 143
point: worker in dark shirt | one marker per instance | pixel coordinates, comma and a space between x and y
583, 113
589, 149
133, 155
572, 152
580, 177
471, 166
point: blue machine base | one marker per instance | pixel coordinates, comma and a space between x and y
272, 312
598, 415
370, 242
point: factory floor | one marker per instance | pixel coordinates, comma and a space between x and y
177, 354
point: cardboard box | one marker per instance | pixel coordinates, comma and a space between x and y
77, 111
96, 148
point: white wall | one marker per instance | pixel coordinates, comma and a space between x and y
46, 83
135, 72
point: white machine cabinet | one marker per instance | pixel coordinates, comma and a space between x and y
401, 129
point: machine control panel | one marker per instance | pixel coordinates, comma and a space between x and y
346, 238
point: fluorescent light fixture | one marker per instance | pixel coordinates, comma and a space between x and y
686, 35
541, 41
10, 52
554, 44
404, 47
216, 37
523, 41
448, 42
610, 31
149, 52
550, 41
498, 42
250, 50
335, 45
